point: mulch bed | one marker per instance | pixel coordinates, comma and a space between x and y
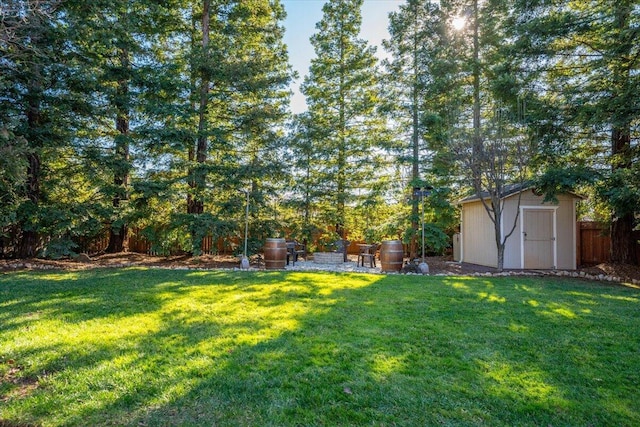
437, 265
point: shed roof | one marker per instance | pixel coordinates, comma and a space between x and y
508, 191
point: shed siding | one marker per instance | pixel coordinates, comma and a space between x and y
566, 233
512, 246
478, 244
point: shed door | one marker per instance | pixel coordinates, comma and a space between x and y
539, 241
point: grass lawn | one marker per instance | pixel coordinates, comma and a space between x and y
146, 347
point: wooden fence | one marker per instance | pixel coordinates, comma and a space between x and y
594, 243
137, 243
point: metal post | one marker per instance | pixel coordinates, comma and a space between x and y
424, 268
244, 264
422, 195
246, 225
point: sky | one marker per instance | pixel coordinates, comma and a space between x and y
300, 25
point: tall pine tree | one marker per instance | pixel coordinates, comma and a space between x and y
582, 60
35, 114
488, 137
421, 89
342, 92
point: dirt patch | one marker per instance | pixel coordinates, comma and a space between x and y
21, 386
437, 265
445, 265
624, 272
127, 259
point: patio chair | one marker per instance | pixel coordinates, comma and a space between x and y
342, 246
295, 249
368, 252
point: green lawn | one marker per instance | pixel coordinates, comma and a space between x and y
158, 347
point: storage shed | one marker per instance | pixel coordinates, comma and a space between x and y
544, 237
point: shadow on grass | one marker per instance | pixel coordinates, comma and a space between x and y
211, 348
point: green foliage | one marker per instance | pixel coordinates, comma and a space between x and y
343, 131
112, 87
118, 113
621, 191
325, 240
435, 240
167, 239
558, 180
585, 103
392, 226
12, 175
200, 226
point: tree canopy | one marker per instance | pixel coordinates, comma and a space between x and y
159, 117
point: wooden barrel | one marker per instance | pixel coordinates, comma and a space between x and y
275, 254
391, 255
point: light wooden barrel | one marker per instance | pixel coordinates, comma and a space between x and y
275, 254
391, 255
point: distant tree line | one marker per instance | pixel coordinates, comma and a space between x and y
159, 115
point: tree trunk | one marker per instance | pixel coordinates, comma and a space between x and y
195, 204
415, 161
29, 243
496, 205
118, 237
342, 148
501, 256
623, 245
477, 149
477, 138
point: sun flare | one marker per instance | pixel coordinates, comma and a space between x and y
459, 23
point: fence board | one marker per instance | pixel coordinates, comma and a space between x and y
594, 243
93, 246
137, 243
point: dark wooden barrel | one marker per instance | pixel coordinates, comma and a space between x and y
275, 254
391, 255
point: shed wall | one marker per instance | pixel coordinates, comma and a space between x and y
512, 248
567, 240
478, 238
